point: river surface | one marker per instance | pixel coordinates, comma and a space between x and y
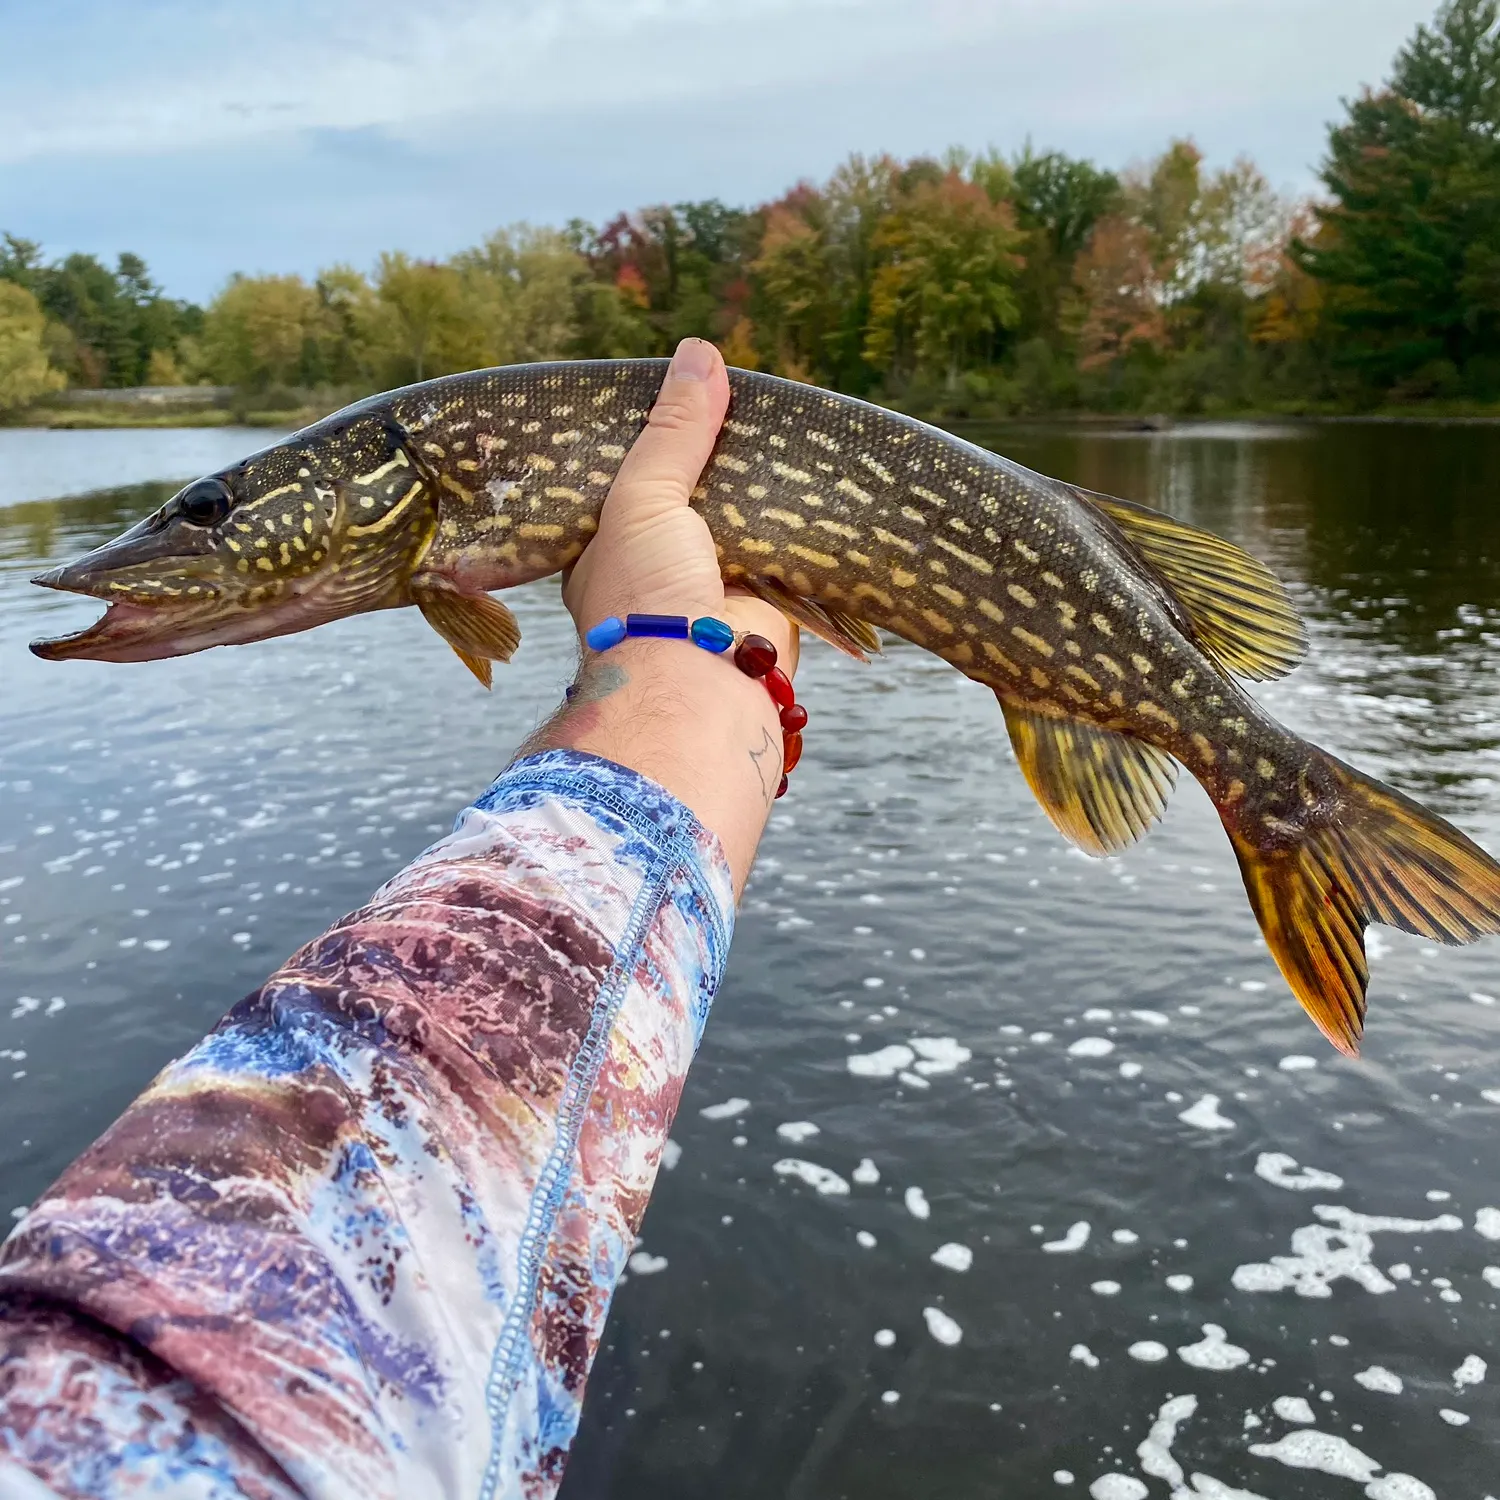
1110, 1206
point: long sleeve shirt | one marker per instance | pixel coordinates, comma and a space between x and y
362, 1239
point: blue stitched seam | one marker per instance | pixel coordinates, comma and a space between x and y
547, 1196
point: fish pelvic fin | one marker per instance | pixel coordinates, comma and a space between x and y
1239, 611
1102, 790
1376, 856
479, 629
845, 632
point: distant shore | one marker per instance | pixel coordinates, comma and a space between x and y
213, 406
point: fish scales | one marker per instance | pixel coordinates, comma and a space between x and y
1108, 632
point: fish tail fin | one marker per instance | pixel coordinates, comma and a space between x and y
1369, 855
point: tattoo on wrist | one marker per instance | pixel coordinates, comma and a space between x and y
598, 681
767, 761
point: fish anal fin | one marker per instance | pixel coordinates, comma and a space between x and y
1240, 612
846, 632
479, 629
1102, 790
1373, 856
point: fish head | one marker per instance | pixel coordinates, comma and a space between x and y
325, 524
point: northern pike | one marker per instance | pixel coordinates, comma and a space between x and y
1110, 633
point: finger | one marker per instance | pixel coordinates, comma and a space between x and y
663, 466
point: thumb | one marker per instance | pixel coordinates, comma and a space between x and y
664, 464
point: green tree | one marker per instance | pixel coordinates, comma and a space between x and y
25, 373
261, 331
1409, 248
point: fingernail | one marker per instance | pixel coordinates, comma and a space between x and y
694, 360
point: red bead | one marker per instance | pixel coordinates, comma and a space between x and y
779, 686
781, 790
794, 719
791, 752
755, 656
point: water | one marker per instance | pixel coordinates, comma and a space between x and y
168, 832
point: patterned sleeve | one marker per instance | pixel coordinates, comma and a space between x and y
361, 1240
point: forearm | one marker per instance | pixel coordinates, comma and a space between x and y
688, 720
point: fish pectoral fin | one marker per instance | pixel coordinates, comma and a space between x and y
1102, 790
846, 632
479, 629
1239, 610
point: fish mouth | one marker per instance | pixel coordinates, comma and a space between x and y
125, 632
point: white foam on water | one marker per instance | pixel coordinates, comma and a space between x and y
1105, 1288
1399, 1487
1205, 1115
941, 1326
890, 1397
1438, 1195
1209, 1488
1075, 1239
644, 1264
864, 1239
725, 1111
1491, 1275
1339, 1247
1297, 1062
939, 1054
885, 1063
1308, 1448
1155, 1450
1152, 1017
1213, 1351
1282, 1171
1041, 1038
1062, 1476
885, 1337
1148, 1351
1490, 1096
1480, 998
1453, 1418
1118, 1487
1091, 1046
1471, 1372
1487, 1223
1131, 1070
866, 1174
916, 1203
1124, 1236
1293, 1409
1252, 986
671, 1154
1098, 1013
1378, 1378
913, 1080
953, 1256
797, 1131
1083, 1355
821, 1179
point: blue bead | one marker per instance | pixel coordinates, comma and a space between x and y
713, 635
605, 634
670, 627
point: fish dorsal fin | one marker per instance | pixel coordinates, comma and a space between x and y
1102, 790
1239, 610
849, 634
479, 629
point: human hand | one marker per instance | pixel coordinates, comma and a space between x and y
653, 553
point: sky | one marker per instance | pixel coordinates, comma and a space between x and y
213, 136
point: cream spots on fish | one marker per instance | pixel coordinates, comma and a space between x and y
1021, 596
869, 591
1067, 614
997, 656
848, 487
1029, 553
930, 496
817, 559
969, 559
1101, 624
960, 525
822, 440
756, 491
859, 559
1153, 710
733, 516
754, 544
892, 540
540, 461
1110, 665
1037, 644
1265, 769
611, 450
1205, 750
1052, 581
730, 462
877, 468
1083, 676
786, 517
937, 621
1040, 679
951, 594
902, 579
913, 514
1142, 664
1235, 725
786, 471
836, 528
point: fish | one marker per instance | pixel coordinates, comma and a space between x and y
1112, 635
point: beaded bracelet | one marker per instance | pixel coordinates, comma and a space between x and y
754, 655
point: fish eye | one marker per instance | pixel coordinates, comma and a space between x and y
205, 503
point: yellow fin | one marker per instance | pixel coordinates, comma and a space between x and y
1374, 856
1239, 610
479, 629
1102, 790
849, 634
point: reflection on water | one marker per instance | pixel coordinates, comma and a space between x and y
1087, 1073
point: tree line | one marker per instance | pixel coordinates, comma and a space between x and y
974, 282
